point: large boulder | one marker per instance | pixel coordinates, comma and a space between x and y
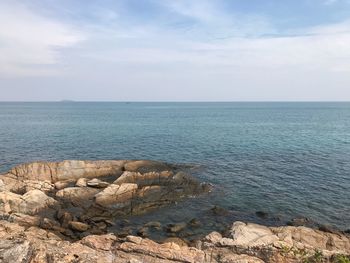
66, 170
78, 196
150, 178
252, 235
31, 203
116, 196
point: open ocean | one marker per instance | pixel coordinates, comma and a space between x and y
287, 159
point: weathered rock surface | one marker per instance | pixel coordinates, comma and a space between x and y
116, 195
65, 170
33, 244
30, 203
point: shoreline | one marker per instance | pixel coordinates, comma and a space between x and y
74, 201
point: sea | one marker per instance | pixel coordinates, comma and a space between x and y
269, 162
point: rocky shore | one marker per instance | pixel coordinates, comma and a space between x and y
64, 212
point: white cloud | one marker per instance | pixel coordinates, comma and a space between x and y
323, 47
29, 41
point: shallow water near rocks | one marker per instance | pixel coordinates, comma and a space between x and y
286, 159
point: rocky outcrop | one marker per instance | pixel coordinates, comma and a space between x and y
66, 170
89, 195
34, 244
281, 244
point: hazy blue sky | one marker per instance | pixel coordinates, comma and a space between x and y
178, 50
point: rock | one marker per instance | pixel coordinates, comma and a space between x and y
143, 232
12, 251
66, 170
328, 228
213, 237
102, 242
234, 258
252, 235
194, 222
116, 195
24, 220
219, 211
124, 232
146, 179
176, 240
78, 196
168, 252
78, 226
30, 203
154, 224
174, 228
97, 183
81, 182
262, 214
33, 244
302, 221
64, 217
64, 184
304, 237
145, 166
2, 185
44, 186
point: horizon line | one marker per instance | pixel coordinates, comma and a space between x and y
167, 101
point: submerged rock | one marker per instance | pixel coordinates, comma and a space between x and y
78, 226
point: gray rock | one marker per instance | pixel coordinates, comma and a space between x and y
97, 183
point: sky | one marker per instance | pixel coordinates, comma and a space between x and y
175, 50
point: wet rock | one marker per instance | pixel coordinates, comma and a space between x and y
78, 226
262, 214
124, 232
143, 232
174, 228
154, 224
301, 221
97, 183
145, 166
329, 229
219, 211
194, 222
64, 217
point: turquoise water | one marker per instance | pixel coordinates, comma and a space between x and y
288, 159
